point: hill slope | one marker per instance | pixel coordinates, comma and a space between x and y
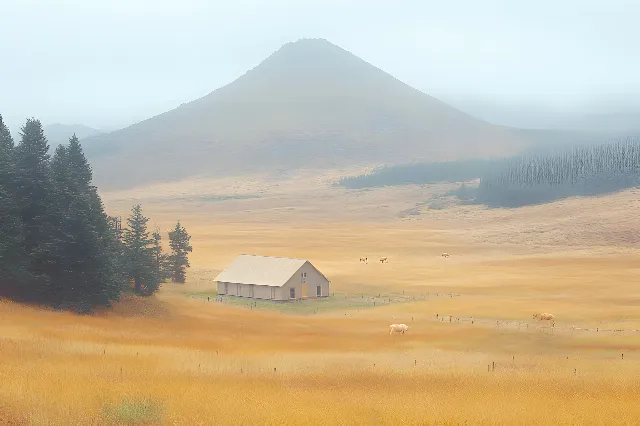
310, 104
61, 133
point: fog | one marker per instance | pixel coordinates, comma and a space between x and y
107, 64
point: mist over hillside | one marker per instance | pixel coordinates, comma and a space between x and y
60, 133
618, 117
309, 104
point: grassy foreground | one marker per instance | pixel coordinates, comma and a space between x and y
171, 360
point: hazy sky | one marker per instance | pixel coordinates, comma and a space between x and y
108, 63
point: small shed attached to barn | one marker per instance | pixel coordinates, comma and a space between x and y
272, 278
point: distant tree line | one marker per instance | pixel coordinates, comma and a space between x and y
579, 170
57, 244
420, 174
536, 176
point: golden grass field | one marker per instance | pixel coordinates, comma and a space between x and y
177, 359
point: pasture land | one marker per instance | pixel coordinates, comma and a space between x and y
177, 358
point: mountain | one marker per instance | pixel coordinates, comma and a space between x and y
310, 104
60, 133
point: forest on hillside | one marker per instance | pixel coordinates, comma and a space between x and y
420, 174
575, 171
57, 244
534, 177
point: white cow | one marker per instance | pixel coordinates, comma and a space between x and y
398, 328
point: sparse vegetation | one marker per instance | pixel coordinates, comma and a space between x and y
134, 412
464, 192
338, 302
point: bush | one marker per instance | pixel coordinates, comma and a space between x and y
137, 412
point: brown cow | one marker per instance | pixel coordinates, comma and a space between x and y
544, 317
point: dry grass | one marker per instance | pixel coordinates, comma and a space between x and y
172, 359
211, 364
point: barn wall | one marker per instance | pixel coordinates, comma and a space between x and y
259, 291
231, 287
234, 289
262, 292
282, 293
313, 279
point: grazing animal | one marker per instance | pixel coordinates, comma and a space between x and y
544, 317
383, 259
398, 328
445, 254
363, 260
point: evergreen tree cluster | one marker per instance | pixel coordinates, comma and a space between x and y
580, 170
539, 175
420, 174
57, 244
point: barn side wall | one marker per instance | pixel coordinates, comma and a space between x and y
262, 292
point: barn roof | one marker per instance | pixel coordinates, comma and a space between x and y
261, 270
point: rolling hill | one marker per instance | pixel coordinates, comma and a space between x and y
310, 104
60, 133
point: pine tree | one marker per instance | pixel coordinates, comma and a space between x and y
119, 248
139, 254
179, 261
6, 141
12, 267
80, 169
34, 197
60, 212
109, 275
161, 259
88, 271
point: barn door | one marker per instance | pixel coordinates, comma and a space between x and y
304, 290
273, 293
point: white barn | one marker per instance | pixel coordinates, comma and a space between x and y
272, 278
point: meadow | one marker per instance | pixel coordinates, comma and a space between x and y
473, 355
